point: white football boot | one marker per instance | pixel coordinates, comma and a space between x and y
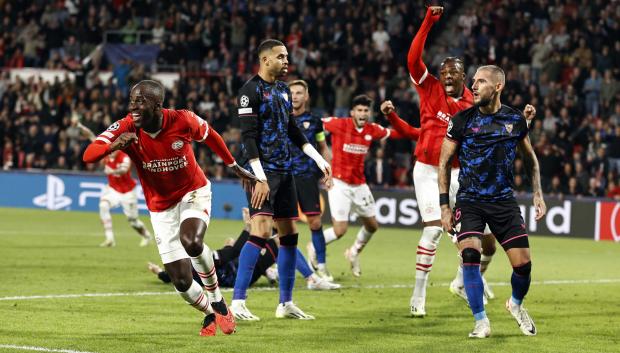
525, 322
241, 312
291, 311
482, 329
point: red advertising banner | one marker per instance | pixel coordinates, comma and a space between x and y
608, 221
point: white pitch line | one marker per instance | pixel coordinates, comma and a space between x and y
40, 349
268, 289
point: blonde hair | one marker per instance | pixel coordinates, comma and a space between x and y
496, 71
302, 83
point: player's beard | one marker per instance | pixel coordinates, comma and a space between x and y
485, 102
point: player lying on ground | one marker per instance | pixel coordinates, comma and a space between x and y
486, 138
226, 263
120, 191
177, 192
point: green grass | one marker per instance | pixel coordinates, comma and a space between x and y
51, 253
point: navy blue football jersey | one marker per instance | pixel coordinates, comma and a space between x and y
269, 104
310, 125
487, 150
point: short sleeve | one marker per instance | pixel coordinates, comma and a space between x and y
115, 130
456, 128
332, 124
379, 132
522, 127
248, 102
198, 127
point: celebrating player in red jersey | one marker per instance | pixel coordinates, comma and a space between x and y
119, 191
351, 139
440, 99
177, 192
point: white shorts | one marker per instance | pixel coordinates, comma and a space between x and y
166, 224
425, 179
346, 198
128, 200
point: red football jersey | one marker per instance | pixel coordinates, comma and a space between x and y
436, 110
165, 161
350, 146
120, 182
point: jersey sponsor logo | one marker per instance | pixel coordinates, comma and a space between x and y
367, 137
114, 126
177, 145
508, 127
355, 148
54, 197
244, 101
165, 165
306, 124
443, 116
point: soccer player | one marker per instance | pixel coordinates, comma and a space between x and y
486, 138
440, 99
307, 174
267, 125
351, 139
120, 191
177, 192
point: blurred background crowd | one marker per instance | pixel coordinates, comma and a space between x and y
562, 56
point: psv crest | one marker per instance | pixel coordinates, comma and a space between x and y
508, 127
177, 145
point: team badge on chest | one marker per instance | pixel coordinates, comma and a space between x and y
177, 145
306, 124
508, 127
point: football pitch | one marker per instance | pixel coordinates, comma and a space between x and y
60, 292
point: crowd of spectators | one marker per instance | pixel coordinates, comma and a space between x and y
562, 56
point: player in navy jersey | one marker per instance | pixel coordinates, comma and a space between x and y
265, 115
486, 138
307, 175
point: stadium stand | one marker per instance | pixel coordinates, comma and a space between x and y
563, 56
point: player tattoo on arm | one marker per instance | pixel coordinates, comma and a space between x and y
448, 150
532, 168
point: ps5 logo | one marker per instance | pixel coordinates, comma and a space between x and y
54, 197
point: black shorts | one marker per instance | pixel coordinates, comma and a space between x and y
282, 203
308, 195
503, 217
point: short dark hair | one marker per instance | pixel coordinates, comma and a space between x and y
454, 59
267, 44
153, 88
362, 99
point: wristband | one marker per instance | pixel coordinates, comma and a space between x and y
444, 199
257, 168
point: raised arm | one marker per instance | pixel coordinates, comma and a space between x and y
416, 66
403, 129
533, 170
448, 150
